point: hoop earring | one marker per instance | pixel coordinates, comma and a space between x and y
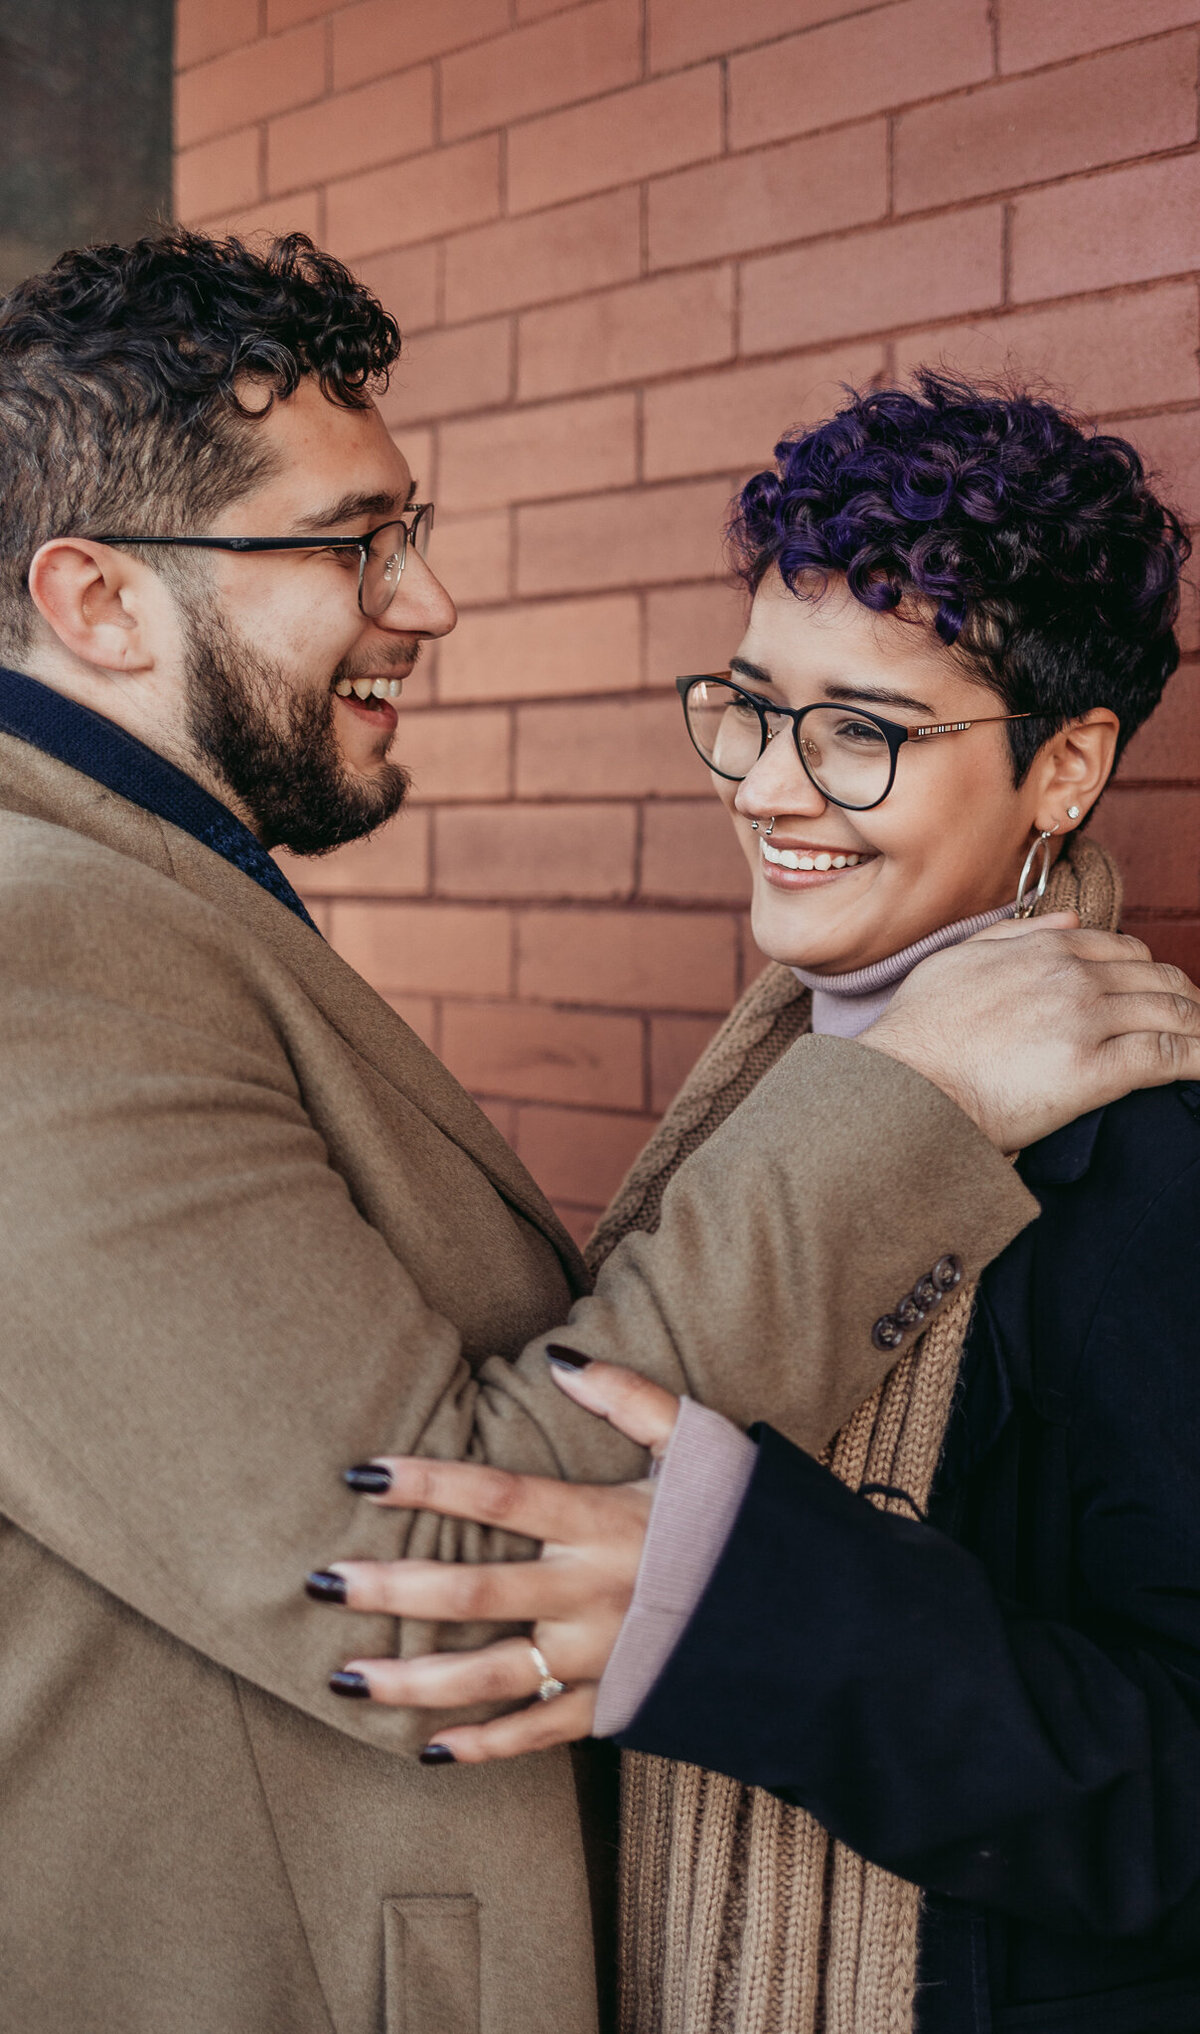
1027, 903
770, 828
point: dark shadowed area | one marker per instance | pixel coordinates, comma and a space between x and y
85, 125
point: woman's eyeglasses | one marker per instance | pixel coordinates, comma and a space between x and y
381, 551
850, 755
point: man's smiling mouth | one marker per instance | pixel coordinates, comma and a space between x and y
369, 688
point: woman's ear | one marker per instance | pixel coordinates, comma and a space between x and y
98, 602
1073, 769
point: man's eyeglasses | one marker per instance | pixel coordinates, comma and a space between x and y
850, 755
381, 551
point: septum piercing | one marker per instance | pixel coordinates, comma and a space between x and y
770, 829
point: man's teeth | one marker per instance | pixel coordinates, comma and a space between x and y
369, 688
787, 858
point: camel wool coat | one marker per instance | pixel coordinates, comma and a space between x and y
251, 1231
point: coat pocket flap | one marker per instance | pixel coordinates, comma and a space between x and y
431, 1964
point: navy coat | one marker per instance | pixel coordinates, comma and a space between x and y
1003, 1704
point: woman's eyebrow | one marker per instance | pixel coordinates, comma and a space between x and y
745, 669
877, 695
880, 695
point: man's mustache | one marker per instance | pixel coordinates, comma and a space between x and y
398, 656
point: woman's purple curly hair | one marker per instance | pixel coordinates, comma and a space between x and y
1034, 546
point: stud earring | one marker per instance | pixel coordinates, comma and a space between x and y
1072, 812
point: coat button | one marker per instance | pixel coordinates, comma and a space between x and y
947, 1273
926, 1293
910, 1313
887, 1332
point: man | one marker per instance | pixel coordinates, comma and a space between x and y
254, 1233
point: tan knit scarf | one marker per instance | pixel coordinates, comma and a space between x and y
740, 1915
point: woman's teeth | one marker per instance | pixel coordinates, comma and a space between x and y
369, 688
787, 858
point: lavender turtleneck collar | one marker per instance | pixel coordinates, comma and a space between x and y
844, 1005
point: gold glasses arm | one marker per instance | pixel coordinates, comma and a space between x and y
922, 734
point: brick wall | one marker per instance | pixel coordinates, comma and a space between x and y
630, 240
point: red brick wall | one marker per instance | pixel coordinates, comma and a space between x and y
630, 241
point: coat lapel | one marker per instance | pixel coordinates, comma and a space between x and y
40, 786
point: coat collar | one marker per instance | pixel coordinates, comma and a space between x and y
42, 787
61, 727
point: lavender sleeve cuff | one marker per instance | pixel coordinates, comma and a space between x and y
701, 1483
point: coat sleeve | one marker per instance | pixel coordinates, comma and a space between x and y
863, 1665
202, 1328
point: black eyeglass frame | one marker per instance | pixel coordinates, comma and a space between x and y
421, 512
894, 732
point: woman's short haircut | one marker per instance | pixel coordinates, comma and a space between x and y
1033, 545
131, 380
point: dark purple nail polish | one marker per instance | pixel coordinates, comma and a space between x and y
325, 1587
436, 1755
563, 1358
347, 1682
370, 1479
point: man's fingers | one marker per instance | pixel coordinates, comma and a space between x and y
632, 1404
1150, 1010
448, 1592
1146, 977
537, 1728
539, 1507
1151, 1059
1082, 942
1018, 928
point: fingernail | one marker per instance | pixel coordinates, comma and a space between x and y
325, 1587
436, 1755
370, 1479
563, 1358
349, 1683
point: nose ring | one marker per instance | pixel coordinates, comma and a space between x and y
770, 828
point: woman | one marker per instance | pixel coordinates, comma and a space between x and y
969, 1659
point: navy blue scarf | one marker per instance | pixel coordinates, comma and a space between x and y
97, 747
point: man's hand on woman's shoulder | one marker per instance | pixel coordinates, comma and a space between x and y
1029, 1026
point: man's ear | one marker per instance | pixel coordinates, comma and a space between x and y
100, 604
1074, 768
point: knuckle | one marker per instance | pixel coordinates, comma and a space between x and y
497, 1494
472, 1591
495, 1684
421, 1482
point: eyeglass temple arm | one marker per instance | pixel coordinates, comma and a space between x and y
921, 734
239, 543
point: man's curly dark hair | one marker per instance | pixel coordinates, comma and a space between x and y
1033, 545
132, 379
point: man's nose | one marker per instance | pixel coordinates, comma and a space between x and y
422, 606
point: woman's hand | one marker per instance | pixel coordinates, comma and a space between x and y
575, 1595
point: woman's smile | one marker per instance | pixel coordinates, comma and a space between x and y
839, 887
792, 863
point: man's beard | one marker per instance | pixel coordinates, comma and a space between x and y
276, 749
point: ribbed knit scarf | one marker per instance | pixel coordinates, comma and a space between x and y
740, 1915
